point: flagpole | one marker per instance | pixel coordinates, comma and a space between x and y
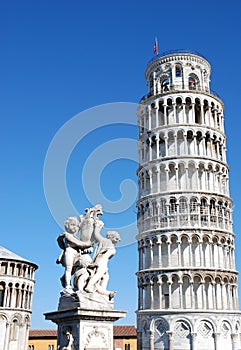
155, 48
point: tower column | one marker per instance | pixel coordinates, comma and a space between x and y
156, 107
192, 113
165, 114
235, 342
157, 146
148, 125
170, 340
158, 179
216, 337
154, 83
166, 146
151, 337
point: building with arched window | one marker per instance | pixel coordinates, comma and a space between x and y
187, 279
16, 292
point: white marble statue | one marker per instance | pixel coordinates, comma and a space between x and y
88, 270
72, 246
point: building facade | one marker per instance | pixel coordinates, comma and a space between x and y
187, 280
16, 292
124, 339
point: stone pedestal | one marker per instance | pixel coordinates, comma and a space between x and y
82, 329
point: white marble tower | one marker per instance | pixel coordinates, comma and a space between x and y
16, 293
187, 279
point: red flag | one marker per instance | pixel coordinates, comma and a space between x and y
155, 49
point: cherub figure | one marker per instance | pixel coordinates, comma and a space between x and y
104, 251
83, 268
72, 246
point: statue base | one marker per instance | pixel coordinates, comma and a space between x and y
83, 329
70, 299
85, 320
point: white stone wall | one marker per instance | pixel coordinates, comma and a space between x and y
184, 332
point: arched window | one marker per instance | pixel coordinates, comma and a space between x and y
220, 213
183, 211
178, 71
163, 213
183, 205
2, 292
204, 212
14, 330
173, 211
191, 83
212, 210
165, 85
197, 111
151, 82
19, 270
194, 211
165, 290
3, 268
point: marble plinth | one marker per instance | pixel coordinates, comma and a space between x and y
70, 299
83, 329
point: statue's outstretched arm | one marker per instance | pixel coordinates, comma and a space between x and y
77, 242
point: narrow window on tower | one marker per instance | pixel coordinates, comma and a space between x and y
3, 268
197, 111
191, 83
178, 72
14, 330
151, 85
165, 85
166, 300
2, 290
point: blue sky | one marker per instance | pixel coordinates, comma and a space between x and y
61, 58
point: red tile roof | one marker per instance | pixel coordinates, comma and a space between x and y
119, 331
124, 331
42, 333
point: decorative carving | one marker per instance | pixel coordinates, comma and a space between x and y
161, 326
205, 329
226, 331
182, 329
69, 340
96, 340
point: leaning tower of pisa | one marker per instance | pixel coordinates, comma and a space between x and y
187, 280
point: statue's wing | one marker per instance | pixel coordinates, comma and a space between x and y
60, 241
